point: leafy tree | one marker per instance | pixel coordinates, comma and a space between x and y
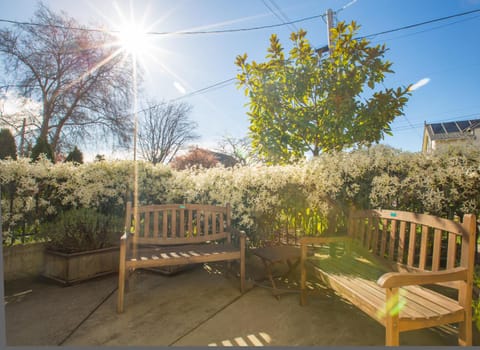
8, 147
42, 147
303, 103
196, 157
81, 78
75, 156
165, 128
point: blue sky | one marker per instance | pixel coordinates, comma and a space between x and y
446, 54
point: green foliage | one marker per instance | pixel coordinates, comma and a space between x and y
476, 302
42, 147
8, 148
42, 189
303, 103
82, 229
312, 196
75, 156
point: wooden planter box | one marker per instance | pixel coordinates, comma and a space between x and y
77, 267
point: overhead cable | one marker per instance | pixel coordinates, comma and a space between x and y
195, 32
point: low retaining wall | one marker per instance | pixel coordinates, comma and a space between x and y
23, 261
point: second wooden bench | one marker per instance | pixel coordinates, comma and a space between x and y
177, 234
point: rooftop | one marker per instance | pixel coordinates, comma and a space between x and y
452, 130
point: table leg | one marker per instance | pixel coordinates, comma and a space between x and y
268, 269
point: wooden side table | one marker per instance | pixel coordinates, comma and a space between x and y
278, 254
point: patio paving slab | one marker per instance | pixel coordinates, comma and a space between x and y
45, 313
198, 307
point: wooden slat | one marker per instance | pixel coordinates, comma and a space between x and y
182, 223
173, 223
411, 244
393, 233
222, 223
146, 225
452, 250
361, 231
368, 235
190, 223
423, 247
214, 223
375, 235
165, 224
384, 238
401, 241
206, 219
155, 223
437, 247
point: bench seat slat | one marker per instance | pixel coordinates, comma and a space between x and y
355, 280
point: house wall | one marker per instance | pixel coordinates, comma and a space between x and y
430, 146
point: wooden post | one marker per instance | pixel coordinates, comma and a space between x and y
303, 274
242, 262
329, 26
121, 274
465, 291
392, 334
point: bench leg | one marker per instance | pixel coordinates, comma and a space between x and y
392, 334
242, 275
465, 328
465, 334
303, 275
121, 288
242, 263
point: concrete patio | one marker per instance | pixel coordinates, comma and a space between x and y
197, 307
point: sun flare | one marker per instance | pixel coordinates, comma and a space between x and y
133, 39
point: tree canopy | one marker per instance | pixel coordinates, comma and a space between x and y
304, 103
81, 79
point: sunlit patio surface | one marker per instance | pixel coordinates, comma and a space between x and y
197, 307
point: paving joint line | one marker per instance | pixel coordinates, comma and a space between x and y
88, 316
210, 317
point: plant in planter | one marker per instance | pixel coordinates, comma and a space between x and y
81, 245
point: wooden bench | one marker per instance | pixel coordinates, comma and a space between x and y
389, 265
177, 234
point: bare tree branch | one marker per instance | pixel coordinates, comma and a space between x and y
164, 130
82, 81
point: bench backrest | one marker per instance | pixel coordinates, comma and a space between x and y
167, 224
416, 242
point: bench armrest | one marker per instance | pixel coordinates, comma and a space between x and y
400, 279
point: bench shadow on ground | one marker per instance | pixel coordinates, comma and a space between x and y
196, 307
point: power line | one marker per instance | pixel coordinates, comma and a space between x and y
429, 29
279, 14
218, 31
209, 88
419, 24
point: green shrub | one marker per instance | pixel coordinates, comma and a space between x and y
8, 147
42, 147
75, 156
82, 229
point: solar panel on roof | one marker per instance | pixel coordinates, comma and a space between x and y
451, 127
438, 129
463, 124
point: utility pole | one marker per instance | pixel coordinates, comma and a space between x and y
22, 138
329, 27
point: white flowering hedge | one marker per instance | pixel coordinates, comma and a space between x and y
310, 196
